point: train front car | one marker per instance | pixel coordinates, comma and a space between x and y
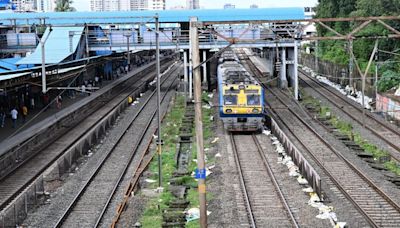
240, 98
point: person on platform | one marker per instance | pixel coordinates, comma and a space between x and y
96, 80
58, 101
83, 90
24, 110
2, 117
46, 100
32, 103
14, 117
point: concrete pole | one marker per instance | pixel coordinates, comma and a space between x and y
129, 52
198, 121
363, 79
87, 40
42, 45
159, 142
205, 68
44, 83
351, 60
283, 69
316, 56
376, 79
190, 70
296, 79
185, 73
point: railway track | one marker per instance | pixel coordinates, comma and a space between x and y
30, 171
380, 128
107, 176
265, 203
90, 204
378, 208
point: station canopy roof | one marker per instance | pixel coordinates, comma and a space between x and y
57, 47
165, 16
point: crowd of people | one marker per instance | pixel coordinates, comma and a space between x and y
14, 114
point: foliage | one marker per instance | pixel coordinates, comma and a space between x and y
152, 216
347, 129
336, 52
64, 6
389, 80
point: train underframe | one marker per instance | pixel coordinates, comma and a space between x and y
243, 124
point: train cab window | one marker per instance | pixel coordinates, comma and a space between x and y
253, 99
230, 100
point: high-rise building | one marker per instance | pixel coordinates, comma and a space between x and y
6, 5
45, 5
126, 5
229, 6
139, 4
253, 6
24, 5
157, 5
109, 5
192, 4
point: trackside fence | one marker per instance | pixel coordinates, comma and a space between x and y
306, 170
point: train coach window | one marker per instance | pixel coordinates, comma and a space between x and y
252, 91
232, 91
253, 99
230, 100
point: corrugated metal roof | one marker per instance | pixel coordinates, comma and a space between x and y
57, 46
9, 63
57, 18
11, 76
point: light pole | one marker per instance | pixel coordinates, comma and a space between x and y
376, 76
185, 74
159, 142
42, 47
128, 52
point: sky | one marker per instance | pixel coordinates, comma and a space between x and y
84, 5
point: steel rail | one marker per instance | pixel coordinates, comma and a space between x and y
41, 170
134, 150
275, 182
353, 115
242, 183
98, 168
367, 180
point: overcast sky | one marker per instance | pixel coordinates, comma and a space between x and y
84, 5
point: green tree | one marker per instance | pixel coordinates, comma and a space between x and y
335, 50
64, 6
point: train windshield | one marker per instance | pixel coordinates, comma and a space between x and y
230, 100
253, 99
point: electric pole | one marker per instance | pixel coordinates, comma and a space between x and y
198, 121
159, 142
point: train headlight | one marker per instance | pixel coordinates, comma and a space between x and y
255, 110
228, 110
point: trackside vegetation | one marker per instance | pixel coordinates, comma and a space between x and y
153, 216
337, 51
379, 155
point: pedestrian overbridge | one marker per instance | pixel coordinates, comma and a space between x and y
115, 31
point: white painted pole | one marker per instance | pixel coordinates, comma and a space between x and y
42, 45
185, 73
205, 68
296, 79
44, 83
190, 70
283, 69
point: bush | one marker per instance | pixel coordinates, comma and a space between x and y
389, 80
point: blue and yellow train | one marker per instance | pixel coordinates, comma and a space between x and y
241, 97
